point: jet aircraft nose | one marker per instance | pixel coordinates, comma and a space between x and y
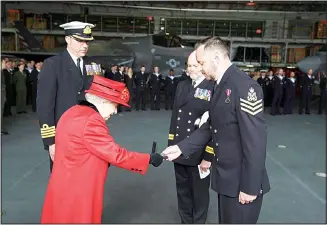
311, 62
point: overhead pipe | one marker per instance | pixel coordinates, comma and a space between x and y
178, 9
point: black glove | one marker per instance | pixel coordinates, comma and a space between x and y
155, 159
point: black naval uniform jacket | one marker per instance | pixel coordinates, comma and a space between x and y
238, 131
189, 105
140, 80
155, 82
60, 84
119, 77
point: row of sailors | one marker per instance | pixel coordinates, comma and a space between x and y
19, 82
146, 84
280, 89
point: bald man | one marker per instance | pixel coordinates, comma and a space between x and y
192, 100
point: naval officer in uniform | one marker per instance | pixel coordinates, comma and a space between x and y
192, 101
237, 127
61, 81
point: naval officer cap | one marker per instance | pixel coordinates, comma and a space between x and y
79, 30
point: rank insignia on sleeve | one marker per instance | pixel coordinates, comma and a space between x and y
48, 132
251, 105
210, 150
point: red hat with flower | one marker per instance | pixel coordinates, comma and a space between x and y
108, 89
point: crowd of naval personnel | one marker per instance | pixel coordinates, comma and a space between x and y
19, 87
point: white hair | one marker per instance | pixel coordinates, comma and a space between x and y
95, 99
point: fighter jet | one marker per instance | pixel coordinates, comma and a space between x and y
166, 51
316, 62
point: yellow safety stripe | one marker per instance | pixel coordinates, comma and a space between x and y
170, 137
47, 132
210, 150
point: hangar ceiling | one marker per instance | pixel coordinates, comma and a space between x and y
294, 6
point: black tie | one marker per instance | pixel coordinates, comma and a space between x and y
79, 66
193, 83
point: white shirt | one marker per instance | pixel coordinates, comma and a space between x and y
220, 77
198, 81
75, 60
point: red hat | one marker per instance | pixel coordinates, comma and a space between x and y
108, 89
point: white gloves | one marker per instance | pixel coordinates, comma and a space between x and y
200, 121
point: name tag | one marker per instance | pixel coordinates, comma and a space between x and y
202, 94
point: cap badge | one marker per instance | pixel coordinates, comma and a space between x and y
87, 30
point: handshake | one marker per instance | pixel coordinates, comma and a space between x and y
155, 158
169, 153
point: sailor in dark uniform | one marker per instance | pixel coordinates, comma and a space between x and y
237, 127
278, 88
61, 81
111, 73
323, 88
306, 84
155, 81
263, 82
270, 91
192, 101
33, 78
290, 93
8, 75
140, 79
170, 89
120, 77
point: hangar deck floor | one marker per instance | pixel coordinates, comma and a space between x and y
297, 195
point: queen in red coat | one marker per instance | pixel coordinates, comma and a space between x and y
84, 147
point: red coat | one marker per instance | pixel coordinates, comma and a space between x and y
83, 149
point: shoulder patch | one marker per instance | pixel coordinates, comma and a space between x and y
251, 104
